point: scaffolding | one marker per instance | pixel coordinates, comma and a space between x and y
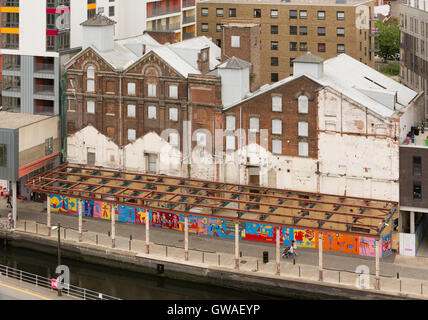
236, 202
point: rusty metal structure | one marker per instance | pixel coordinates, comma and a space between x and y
246, 203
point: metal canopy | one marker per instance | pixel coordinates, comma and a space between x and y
257, 204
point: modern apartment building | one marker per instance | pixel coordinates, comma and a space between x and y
135, 16
292, 27
35, 36
414, 46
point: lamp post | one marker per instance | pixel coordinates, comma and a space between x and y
59, 253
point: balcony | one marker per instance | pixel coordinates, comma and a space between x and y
11, 83
45, 89
189, 19
188, 35
189, 3
156, 12
11, 62
166, 28
44, 67
43, 107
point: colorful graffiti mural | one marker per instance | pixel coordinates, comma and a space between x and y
224, 228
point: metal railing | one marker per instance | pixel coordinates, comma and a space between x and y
188, 19
162, 11
44, 282
170, 27
189, 3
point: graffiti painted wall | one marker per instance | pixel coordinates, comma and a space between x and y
224, 228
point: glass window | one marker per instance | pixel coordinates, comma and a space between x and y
257, 13
274, 45
303, 30
321, 31
340, 48
204, 12
131, 88
111, 11
340, 32
151, 112
321, 15
219, 12
293, 14
417, 190
293, 46
274, 61
303, 14
230, 123
274, 77
276, 126
303, 149
152, 90
303, 128
277, 103
173, 114
276, 146
321, 47
274, 13
90, 106
132, 135
131, 110
303, 104
293, 29
303, 46
417, 166
254, 124
274, 29
218, 27
173, 91
232, 12
340, 15
204, 27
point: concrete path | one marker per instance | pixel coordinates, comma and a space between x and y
399, 274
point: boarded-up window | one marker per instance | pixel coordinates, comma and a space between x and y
131, 88
49, 146
132, 134
236, 41
254, 124
303, 104
201, 139
90, 82
230, 123
303, 129
254, 175
131, 110
173, 139
276, 103
152, 160
90, 156
303, 149
152, 90
151, 112
110, 132
230, 142
90, 106
276, 126
276, 146
173, 91
173, 114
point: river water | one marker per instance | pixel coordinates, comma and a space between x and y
118, 282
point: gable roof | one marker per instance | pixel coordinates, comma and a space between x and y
234, 63
309, 58
354, 80
98, 20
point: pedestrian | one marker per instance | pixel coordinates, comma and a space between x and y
8, 201
291, 251
294, 245
9, 217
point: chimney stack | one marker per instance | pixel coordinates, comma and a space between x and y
204, 60
98, 31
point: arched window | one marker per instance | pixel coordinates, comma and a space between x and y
90, 79
303, 104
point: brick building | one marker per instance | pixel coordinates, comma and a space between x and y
291, 28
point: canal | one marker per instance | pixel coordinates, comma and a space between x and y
120, 283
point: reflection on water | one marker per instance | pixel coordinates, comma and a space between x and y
118, 282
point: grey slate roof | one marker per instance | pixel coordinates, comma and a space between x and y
309, 58
234, 63
98, 20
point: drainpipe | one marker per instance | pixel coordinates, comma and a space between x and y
240, 145
120, 120
189, 133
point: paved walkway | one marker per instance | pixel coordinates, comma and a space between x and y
218, 252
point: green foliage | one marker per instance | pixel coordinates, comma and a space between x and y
391, 69
388, 40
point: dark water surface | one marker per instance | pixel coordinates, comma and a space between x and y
117, 282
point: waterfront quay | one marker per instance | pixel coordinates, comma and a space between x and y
400, 277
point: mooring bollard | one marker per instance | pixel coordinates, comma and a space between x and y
129, 245
37, 231
25, 226
257, 265
203, 258
64, 232
339, 276
218, 259
96, 239
166, 251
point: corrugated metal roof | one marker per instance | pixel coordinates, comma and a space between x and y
98, 20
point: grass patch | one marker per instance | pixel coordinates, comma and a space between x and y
390, 69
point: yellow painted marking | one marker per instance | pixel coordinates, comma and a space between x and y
9, 30
24, 291
9, 9
92, 6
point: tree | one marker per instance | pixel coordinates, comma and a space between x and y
388, 40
